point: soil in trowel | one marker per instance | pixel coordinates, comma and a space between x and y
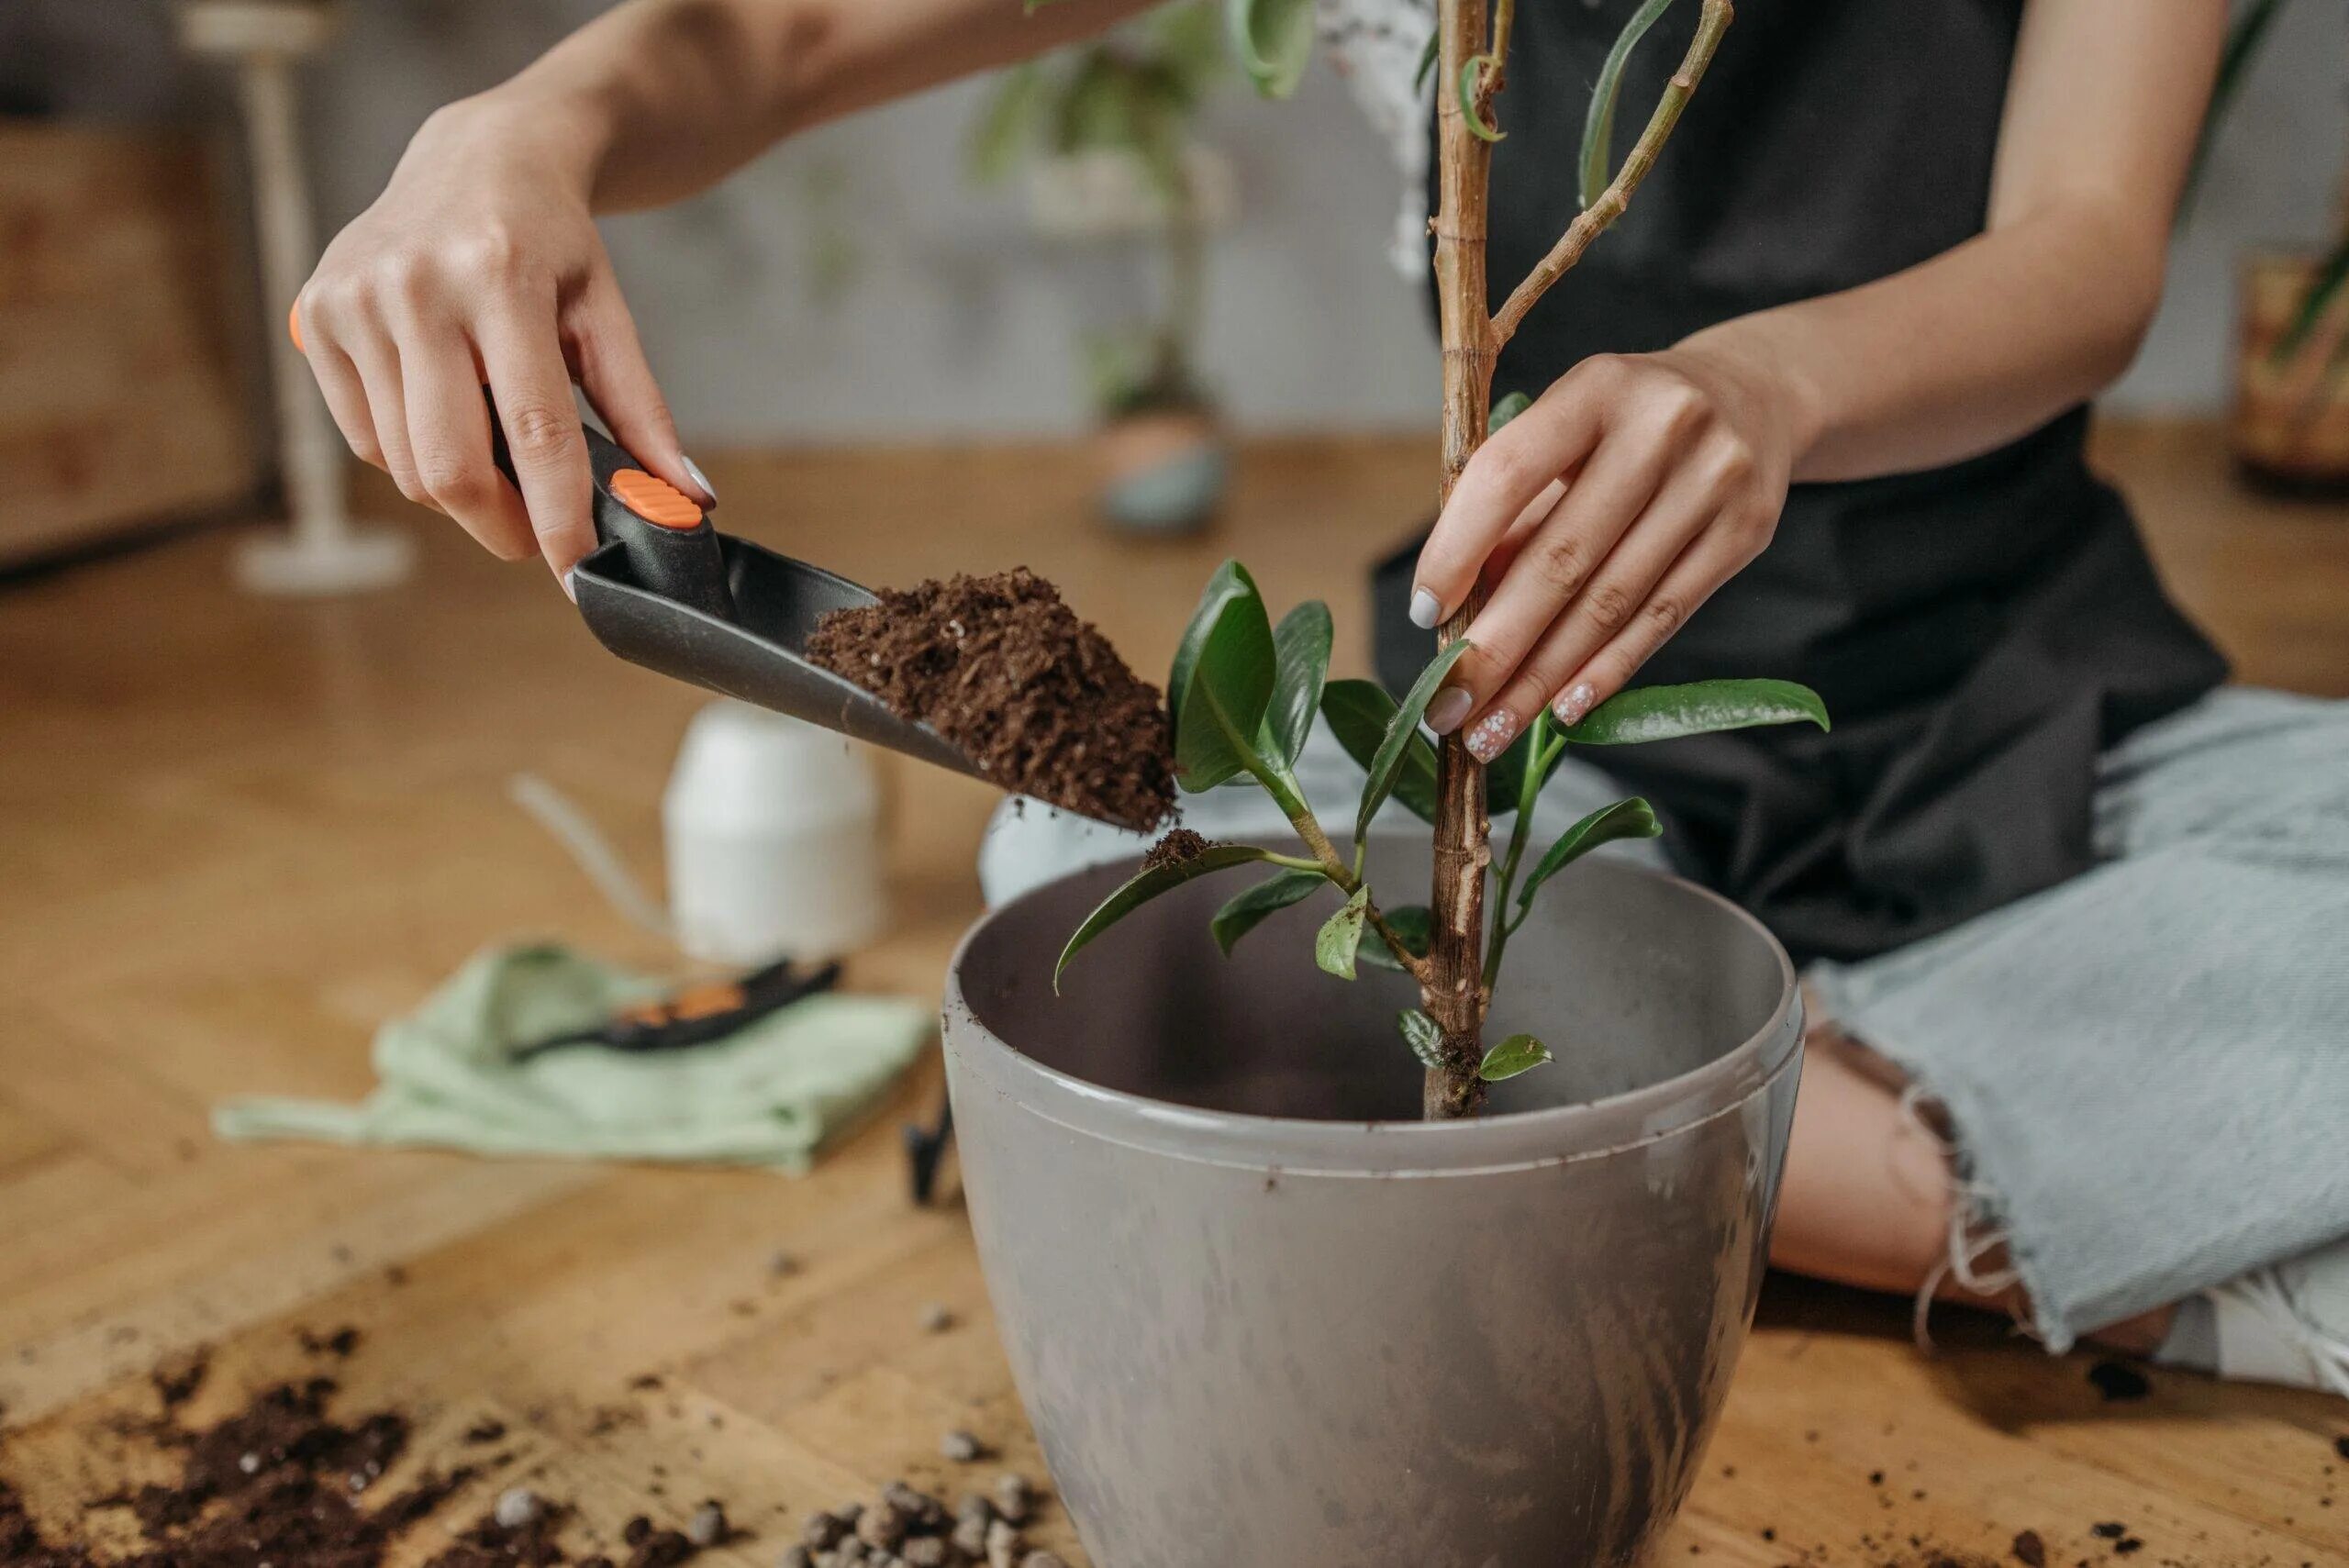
1008, 674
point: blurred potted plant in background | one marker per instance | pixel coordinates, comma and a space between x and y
1103, 134
2290, 425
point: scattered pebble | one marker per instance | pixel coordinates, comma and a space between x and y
782, 1265
248, 1462
707, 1526
936, 1319
1004, 1545
1013, 1496
2029, 1550
518, 1507
796, 1557
960, 1447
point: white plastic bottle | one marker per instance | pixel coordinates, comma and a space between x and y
774, 839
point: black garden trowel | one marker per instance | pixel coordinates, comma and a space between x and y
666, 590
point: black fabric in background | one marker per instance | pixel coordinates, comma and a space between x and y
1980, 632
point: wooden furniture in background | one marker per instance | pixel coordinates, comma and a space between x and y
121, 405
239, 833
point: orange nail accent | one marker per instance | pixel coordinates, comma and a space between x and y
293, 325
654, 499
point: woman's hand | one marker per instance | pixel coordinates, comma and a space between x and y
480, 265
1602, 517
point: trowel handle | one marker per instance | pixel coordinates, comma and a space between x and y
669, 545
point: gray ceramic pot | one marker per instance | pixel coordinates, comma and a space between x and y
1261, 1318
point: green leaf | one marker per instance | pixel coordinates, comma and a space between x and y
1359, 712
1333, 950
1402, 729
1301, 656
1145, 885
1506, 773
2332, 272
1421, 1033
1272, 40
1633, 818
1414, 923
1517, 1053
2243, 38
1221, 682
1012, 118
1599, 122
1477, 125
1187, 41
1701, 708
1507, 408
1428, 57
1249, 909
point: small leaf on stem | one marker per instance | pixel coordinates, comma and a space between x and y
1249, 909
1428, 57
1402, 729
1517, 1053
1472, 72
1423, 1035
1701, 708
1221, 682
1414, 924
1599, 124
1148, 885
1301, 661
1504, 410
1359, 712
1333, 950
1633, 818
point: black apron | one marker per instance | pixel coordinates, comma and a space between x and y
1980, 632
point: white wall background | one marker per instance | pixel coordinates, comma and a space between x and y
957, 323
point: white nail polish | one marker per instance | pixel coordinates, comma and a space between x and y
693, 470
570, 589
1425, 609
1448, 710
1492, 735
1574, 704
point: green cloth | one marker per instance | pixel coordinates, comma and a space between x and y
769, 1096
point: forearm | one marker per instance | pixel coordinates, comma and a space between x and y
1961, 353
658, 99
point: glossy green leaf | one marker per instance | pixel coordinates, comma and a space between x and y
1428, 57
1394, 748
1221, 682
1507, 408
1422, 1035
1272, 40
1247, 910
1504, 775
1414, 923
1301, 658
1334, 948
1145, 885
1359, 712
1517, 1053
1701, 708
1013, 117
1478, 126
1633, 818
1599, 122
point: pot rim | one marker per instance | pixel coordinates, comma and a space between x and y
1517, 1140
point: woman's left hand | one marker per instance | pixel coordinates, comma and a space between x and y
1602, 515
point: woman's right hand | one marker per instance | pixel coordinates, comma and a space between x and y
480, 265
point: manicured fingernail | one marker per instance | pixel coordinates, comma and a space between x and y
1574, 704
1492, 735
1450, 710
569, 591
693, 470
1426, 609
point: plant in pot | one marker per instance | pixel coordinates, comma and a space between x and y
1276, 1290
2290, 425
1104, 133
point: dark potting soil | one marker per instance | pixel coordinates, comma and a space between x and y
1179, 847
1008, 674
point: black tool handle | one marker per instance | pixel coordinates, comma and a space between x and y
668, 541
